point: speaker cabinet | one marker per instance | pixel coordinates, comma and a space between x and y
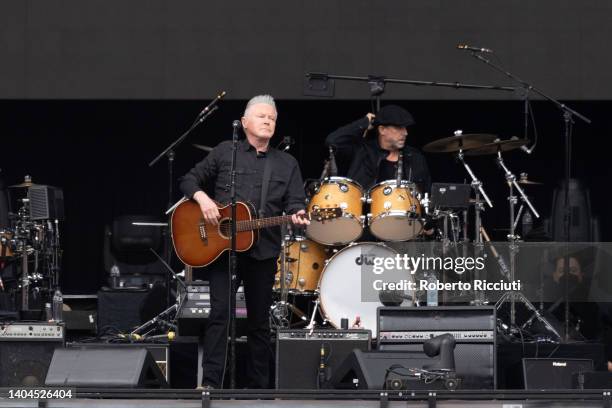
105, 367
553, 373
25, 363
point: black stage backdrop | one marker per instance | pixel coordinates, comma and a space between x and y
168, 49
98, 152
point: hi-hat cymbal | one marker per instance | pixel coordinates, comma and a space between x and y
459, 141
203, 147
498, 145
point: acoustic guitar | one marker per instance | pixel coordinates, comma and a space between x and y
198, 243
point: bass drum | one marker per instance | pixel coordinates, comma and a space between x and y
340, 292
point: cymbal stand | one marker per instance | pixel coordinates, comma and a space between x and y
512, 295
479, 298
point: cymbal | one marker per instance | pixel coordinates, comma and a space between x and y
454, 143
498, 145
27, 182
203, 147
524, 180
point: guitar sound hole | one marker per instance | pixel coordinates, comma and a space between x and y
225, 228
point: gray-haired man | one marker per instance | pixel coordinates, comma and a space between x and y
209, 181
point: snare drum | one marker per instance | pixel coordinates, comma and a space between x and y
340, 291
305, 261
395, 212
343, 193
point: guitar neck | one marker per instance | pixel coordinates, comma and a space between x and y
258, 223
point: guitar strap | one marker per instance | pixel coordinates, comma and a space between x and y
265, 182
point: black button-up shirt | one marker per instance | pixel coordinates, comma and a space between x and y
285, 190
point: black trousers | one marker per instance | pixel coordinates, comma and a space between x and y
258, 279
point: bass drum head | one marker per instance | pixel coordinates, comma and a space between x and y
340, 285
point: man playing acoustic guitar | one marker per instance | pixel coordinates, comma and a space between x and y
209, 180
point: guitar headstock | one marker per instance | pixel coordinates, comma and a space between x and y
324, 214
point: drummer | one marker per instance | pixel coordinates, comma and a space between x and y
369, 147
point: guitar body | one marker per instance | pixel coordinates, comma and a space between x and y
198, 243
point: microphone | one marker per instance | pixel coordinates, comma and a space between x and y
474, 49
211, 104
236, 124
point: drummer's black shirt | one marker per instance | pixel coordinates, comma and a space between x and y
387, 171
285, 191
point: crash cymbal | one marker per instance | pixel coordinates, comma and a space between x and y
498, 145
524, 180
459, 141
203, 147
27, 182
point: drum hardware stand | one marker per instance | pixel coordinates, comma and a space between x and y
166, 314
513, 238
478, 207
568, 115
280, 310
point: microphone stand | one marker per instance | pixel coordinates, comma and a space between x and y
377, 83
170, 155
232, 257
568, 121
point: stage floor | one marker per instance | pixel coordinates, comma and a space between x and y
122, 398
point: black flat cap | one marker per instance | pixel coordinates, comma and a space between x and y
393, 115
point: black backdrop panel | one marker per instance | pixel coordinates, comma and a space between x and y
164, 49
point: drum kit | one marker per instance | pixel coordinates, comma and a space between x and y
31, 243
319, 265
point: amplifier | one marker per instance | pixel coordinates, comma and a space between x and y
26, 350
473, 327
298, 354
553, 373
24, 331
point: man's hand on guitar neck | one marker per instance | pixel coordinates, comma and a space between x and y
208, 207
299, 218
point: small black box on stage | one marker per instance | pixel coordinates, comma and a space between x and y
450, 195
592, 380
299, 354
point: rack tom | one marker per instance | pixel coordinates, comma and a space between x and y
395, 211
343, 193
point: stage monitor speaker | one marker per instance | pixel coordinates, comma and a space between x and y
368, 370
473, 327
25, 363
104, 367
298, 354
552, 373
